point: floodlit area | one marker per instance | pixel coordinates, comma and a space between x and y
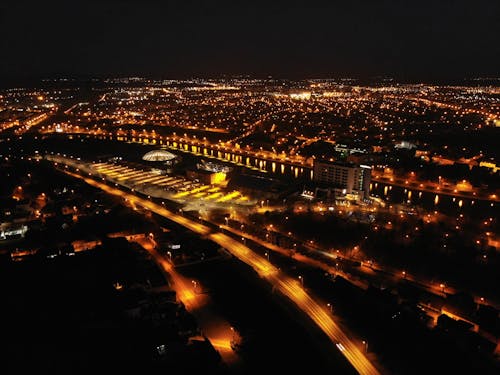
150, 182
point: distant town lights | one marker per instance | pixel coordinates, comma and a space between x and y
301, 96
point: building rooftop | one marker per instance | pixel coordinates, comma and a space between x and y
158, 155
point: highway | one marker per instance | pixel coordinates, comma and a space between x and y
369, 273
289, 287
299, 257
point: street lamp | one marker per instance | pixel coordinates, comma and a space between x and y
442, 286
169, 255
195, 284
267, 255
365, 343
233, 335
301, 281
330, 307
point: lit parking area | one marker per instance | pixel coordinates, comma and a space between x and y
178, 188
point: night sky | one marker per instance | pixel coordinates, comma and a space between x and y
416, 40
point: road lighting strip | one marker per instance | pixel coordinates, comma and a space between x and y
286, 285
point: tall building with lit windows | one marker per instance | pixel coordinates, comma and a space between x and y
345, 178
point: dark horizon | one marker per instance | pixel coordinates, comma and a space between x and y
419, 42
48, 81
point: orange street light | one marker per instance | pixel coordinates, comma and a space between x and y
301, 281
365, 343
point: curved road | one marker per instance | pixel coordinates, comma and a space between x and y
286, 285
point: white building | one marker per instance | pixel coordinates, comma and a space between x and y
346, 178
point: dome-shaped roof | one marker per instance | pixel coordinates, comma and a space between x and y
158, 155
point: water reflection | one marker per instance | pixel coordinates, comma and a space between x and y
447, 204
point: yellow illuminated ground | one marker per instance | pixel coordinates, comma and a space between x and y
229, 196
214, 195
286, 285
185, 189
